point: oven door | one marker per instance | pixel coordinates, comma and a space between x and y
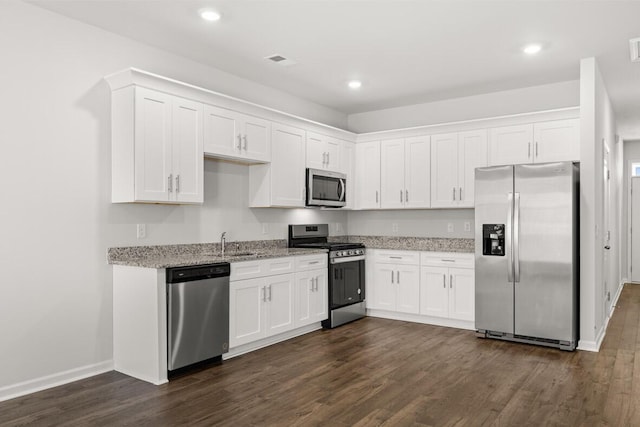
326, 188
346, 281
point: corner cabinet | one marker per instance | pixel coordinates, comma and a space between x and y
281, 182
232, 135
157, 147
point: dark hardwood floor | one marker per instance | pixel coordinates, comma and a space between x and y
373, 372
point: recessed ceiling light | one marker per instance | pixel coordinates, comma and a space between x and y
355, 84
532, 49
209, 15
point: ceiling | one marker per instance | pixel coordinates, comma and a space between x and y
404, 52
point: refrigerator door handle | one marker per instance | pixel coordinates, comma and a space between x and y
516, 238
509, 237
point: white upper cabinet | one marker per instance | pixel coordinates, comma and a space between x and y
348, 167
232, 135
511, 145
404, 172
454, 157
281, 182
553, 141
323, 152
367, 175
157, 154
558, 140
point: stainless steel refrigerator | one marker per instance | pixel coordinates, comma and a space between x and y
527, 253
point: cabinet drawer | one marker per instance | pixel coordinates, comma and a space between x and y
397, 257
447, 259
261, 268
311, 262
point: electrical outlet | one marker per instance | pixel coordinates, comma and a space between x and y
265, 228
141, 231
450, 227
339, 228
467, 226
394, 227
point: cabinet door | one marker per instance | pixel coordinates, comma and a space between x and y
434, 291
333, 154
444, 170
279, 305
511, 145
392, 173
188, 157
319, 296
368, 175
461, 293
557, 141
304, 295
256, 139
472, 154
316, 151
287, 166
246, 317
384, 290
153, 175
222, 132
417, 172
408, 289
347, 159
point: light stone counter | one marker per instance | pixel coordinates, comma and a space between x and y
427, 244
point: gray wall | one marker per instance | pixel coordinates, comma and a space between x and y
631, 154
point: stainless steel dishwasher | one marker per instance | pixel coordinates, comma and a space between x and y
198, 313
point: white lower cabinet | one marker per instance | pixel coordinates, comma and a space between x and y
311, 297
275, 296
260, 308
427, 287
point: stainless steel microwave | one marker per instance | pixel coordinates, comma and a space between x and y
326, 188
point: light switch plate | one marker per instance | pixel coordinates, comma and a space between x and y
450, 227
467, 226
394, 227
141, 231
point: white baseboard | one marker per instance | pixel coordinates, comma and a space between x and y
256, 345
54, 380
595, 345
418, 318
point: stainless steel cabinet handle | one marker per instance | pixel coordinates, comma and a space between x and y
444, 281
536, 149
398, 276
244, 138
516, 238
528, 150
400, 196
451, 281
395, 257
239, 142
328, 161
324, 159
406, 196
448, 260
269, 292
264, 294
454, 193
312, 284
177, 183
460, 194
376, 196
314, 262
170, 183
392, 276
317, 286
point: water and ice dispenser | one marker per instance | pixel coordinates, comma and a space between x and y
493, 239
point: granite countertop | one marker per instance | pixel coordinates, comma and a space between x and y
166, 256
426, 244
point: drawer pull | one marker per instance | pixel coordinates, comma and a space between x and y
314, 262
395, 257
448, 260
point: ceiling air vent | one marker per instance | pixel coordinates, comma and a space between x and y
634, 44
280, 60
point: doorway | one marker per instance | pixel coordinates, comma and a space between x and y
635, 225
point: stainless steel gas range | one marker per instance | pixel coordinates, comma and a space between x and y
346, 272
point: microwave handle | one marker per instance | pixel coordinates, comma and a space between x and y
342, 190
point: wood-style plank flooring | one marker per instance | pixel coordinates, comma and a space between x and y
373, 372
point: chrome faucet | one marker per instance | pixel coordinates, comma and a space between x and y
222, 242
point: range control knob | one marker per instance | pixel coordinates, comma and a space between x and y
351, 253
338, 253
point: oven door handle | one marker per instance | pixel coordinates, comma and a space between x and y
347, 259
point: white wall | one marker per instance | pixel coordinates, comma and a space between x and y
597, 124
524, 100
417, 223
56, 220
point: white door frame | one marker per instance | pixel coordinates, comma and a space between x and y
630, 163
